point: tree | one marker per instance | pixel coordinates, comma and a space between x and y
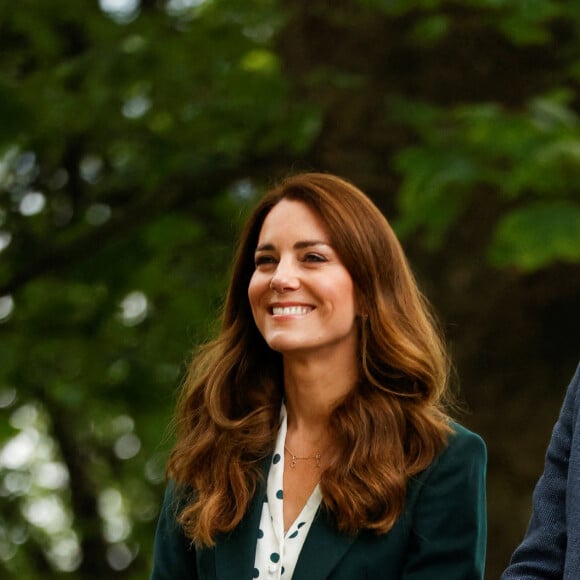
133, 141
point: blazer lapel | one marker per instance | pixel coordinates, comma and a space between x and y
323, 549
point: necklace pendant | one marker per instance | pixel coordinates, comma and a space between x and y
295, 458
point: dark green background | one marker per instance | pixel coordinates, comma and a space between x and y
133, 143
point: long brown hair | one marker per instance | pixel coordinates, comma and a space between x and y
387, 429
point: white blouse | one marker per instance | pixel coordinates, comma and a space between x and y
277, 552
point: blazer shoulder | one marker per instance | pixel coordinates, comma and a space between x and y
465, 450
462, 460
446, 508
462, 438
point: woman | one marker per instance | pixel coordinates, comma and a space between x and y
313, 441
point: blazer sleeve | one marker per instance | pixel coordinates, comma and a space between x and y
173, 553
542, 551
449, 519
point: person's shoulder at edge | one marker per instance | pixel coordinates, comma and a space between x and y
574, 388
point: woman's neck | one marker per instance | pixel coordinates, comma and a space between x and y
312, 391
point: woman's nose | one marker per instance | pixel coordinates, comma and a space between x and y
284, 278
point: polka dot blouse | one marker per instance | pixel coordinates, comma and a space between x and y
277, 552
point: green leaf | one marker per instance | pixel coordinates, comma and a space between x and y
430, 30
532, 237
260, 61
434, 192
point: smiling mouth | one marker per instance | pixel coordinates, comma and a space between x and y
291, 310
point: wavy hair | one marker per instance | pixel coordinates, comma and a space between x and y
390, 427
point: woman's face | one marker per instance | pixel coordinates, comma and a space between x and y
301, 295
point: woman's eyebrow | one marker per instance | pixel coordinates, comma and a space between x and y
297, 246
309, 243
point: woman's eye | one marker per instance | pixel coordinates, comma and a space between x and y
314, 258
263, 260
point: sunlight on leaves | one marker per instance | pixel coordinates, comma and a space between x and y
7, 161
6, 307
112, 508
65, 552
32, 203
97, 214
47, 513
122, 11
90, 168
127, 446
182, 7
260, 60
119, 556
7, 397
136, 106
5, 239
33, 476
134, 308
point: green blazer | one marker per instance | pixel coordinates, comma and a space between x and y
441, 535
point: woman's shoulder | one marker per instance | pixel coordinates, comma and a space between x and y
463, 456
465, 450
458, 471
461, 437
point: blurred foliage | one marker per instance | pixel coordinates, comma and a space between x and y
134, 138
525, 156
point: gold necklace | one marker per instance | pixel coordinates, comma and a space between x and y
295, 458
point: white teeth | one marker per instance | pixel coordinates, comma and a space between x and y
291, 310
